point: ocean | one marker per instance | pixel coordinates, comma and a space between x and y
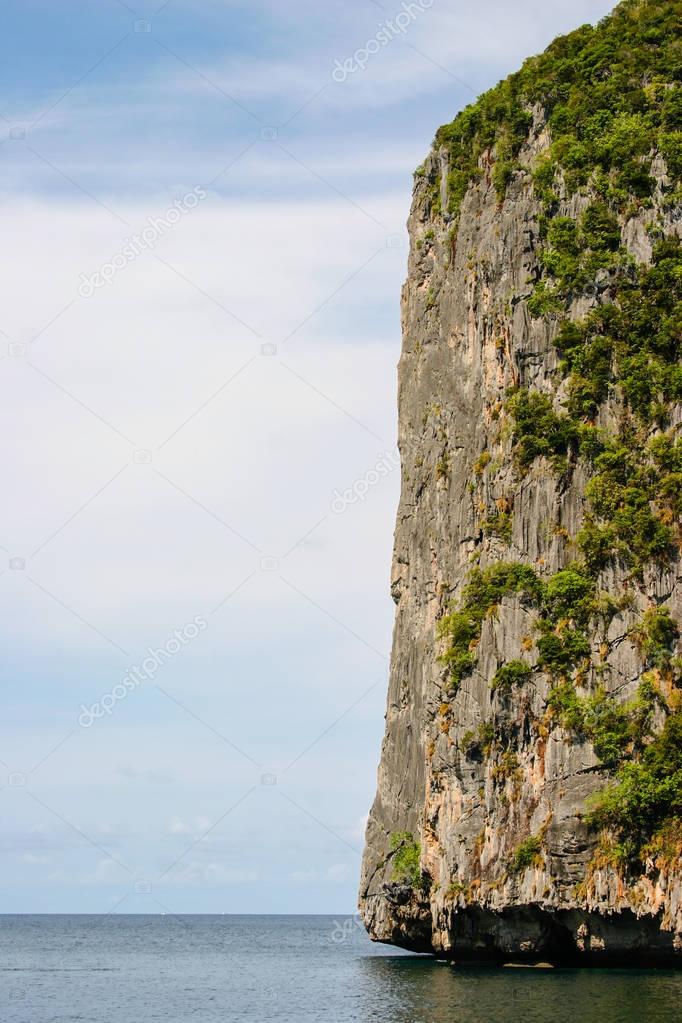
252, 969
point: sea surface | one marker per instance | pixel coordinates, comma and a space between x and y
251, 969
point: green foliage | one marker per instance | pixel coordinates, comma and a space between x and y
443, 468
633, 341
632, 500
568, 602
513, 673
527, 854
538, 429
407, 853
562, 235
507, 767
478, 744
655, 636
462, 629
434, 198
487, 587
544, 179
573, 255
569, 593
454, 890
498, 119
616, 730
483, 592
671, 147
565, 703
646, 795
500, 524
561, 649
503, 172
605, 91
482, 462
635, 533
600, 228
486, 736
608, 724
631, 345
545, 301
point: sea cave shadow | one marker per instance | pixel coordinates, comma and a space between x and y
421, 989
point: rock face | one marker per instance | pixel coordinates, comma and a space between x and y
460, 798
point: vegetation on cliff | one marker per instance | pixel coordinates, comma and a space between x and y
610, 98
625, 353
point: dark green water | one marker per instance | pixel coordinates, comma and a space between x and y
142, 969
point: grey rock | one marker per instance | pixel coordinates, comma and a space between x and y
467, 338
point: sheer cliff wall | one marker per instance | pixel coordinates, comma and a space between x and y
480, 843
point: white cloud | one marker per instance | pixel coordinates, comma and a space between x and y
39, 859
149, 776
106, 872
151, 352
195, 827
453, 43
194, 872
335, 874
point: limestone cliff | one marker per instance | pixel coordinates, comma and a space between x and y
530, 786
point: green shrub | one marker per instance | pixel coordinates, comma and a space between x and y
527, 854
609, 727
544, 177
562, 235
647, 794
500, 524
538, 429
656, 635
454, 890
565, 703
482, 462
600, 228
670, 144
570, 593
461, 628
598, 545
407, 854
574, 253
568, 601
487, 587
507, 767
587, 353
486, 736
478, 744
544, 301
443, 468
513, 673
616, 730
503, 172
561, 651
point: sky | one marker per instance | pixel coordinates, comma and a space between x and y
203, 249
